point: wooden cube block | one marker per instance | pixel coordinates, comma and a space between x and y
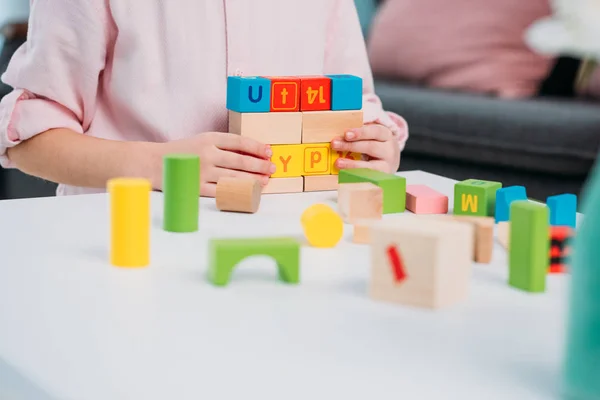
335, 155
248, 94
359, 201
346, 92
284, 185
316, 159
315, 93
362, 231
394, 186
560, 248
288, 159
503, 233
320, 183
483, 244
285, 93
324, 126
504, 197
421, 199
421, 262
563, 210
268, 128
475, 197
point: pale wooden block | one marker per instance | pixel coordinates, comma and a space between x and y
504, 233
284, 185
324, 126
360, 201
362, 229
238, 194
484, 235
320, 183
269, 128
421, 199
436, 256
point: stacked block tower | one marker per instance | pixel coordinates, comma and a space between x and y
298, 116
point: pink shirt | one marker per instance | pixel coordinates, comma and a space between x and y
155, 70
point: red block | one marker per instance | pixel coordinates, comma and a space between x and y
285, 93
560, 250
315, 93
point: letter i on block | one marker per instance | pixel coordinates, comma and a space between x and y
315, 94
475, 197
285, 93
248, 94
346, 92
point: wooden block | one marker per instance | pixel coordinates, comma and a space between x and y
315, 93
316, 159
475, 197
362, 231
323, 227
560, 248
504, 197
421, 199
248, 94
503, 233
346, 92
421, 262
268, 128
285, 93
563, 210
288, 160
238, 194
394, 186
320, 183
284, 185
342, 154
529, 246
358, 201
484, 236
324, 126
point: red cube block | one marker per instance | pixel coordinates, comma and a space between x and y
285, 93
315, 93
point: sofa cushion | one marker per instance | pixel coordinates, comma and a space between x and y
544, 135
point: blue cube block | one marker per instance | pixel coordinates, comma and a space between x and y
563, 210
504, 197
248, 94
346, 92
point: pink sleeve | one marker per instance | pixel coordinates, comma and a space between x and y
55, 74
347, 54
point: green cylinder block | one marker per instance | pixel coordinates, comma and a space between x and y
181, 188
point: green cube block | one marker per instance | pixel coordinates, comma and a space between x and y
475, 197
394, 187
225, 254
529, 256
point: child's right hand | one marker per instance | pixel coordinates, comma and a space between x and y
224, 154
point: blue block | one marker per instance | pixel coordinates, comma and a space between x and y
248, 94
504, 197
563, 210
346, 92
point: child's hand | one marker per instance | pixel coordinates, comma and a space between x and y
378, 145
225, 154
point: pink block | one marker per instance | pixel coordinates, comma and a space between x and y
421, 199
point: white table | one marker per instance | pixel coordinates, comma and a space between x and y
74, 327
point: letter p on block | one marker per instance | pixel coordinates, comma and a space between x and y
317, 159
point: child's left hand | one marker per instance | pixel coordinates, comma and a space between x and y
377, 144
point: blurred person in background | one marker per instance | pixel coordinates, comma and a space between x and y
13, 33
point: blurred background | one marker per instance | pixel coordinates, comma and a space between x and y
480, 102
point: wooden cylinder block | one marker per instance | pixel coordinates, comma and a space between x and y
238, 195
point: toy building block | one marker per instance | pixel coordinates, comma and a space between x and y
315, 93
288, 160
319, 183
359, 201
324, 126
504, 233
504, 197
284, 185
285, 93
271, 128
181, 189
335, 155
130, 222
484, 236
475, 197
238, 194
421, 262
394, 187
248, 94
323, 227
421, 199
563, 210
316, 159
346, 92
560, 248
529, 246
225, 254
362, 229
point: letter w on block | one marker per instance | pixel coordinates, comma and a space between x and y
468, 203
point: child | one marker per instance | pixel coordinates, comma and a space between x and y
106, 88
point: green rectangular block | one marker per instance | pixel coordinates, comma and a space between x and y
475, 197
529, 256
394, 187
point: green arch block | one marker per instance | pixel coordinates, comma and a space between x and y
225, 254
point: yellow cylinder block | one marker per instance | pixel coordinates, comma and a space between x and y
323, 226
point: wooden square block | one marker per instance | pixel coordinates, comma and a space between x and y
358, 201
362, 231
315, 93
342, 154
324, 126
316, 159
421, 199
563, 210
503, 233
320, 183
504, 197
421, 262
346, 92
475, 197
285, 93
394, 186
483, 244
288, 159
284, 185
248, 94
268, 128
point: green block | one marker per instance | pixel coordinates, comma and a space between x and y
475, 197
181, 188
394, 187
529, 257
225, 254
